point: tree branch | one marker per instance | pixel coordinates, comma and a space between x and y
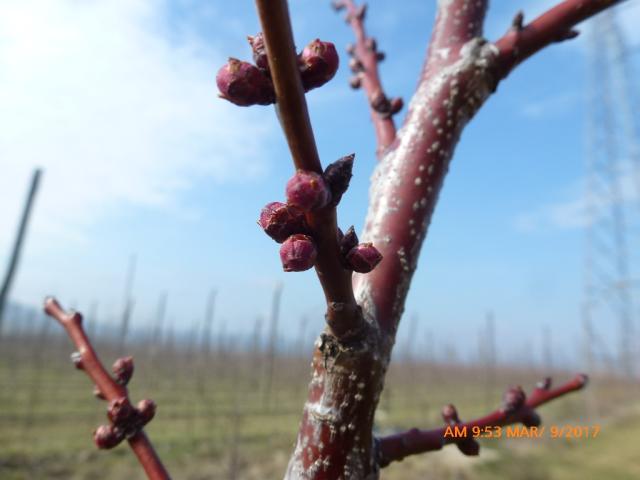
461, 71
364, 64
515, 409
127, 421
343, 314
555, 25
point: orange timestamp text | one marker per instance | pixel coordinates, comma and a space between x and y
522, 431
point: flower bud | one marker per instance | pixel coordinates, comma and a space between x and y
280, 220
319, 63
120, 411
544, 384
363, 258
450, 415
107, 436
513, 399
146, 410
379, 102
337, 176
308, 191
355, 82
395, 105
298, 253
122, 369
355, 65
530, 418
347, 242
371, 44
259, 50
244, 84
469, 447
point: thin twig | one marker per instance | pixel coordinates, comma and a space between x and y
87, 359
396, 447
366, 53
556, 24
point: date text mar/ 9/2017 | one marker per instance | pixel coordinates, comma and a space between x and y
521, 431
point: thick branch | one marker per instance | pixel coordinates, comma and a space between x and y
343, 315
396, 447
555, 25
461, 72
87, 359
454, 83
365, 63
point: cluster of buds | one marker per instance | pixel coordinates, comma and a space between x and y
244, 83
286, 223
126, 420
385, 107
468, 445
380, 103
514, 401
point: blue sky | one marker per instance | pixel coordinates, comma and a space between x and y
116, 100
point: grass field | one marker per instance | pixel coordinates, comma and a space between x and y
223, 419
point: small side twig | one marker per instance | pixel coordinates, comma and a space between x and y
126, 421
365, 58
516, 408
555, 25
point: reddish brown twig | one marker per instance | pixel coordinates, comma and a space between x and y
515, 409
556, 24
343, 315
115, 392
365, 57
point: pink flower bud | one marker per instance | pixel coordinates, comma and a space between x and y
259, 50
244, 84
530, 418
122, 369
363, 258
146, 410
347, 242
280, 220
308, 191
107, 436
298, 253
450, 415
396, 105
469, 447
513, 399
120, 411
319, 63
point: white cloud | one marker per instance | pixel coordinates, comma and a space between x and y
117, 109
